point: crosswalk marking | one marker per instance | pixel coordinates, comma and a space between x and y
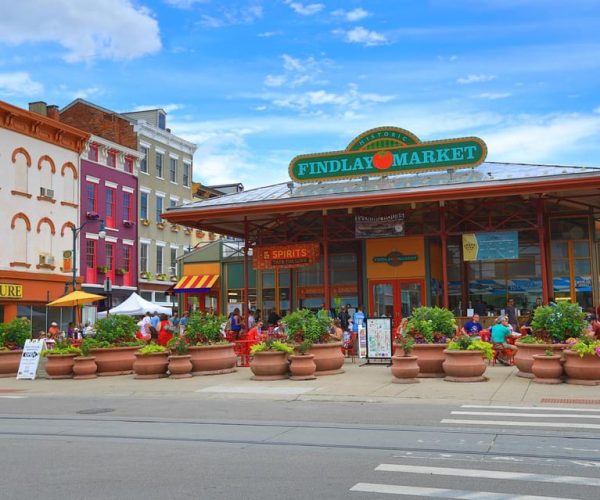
532, 415
536, 408
505, 423
489, 474
395, 489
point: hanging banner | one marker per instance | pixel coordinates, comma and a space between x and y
285, 256
379, 227
491, 246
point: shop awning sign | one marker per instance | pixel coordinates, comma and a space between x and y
285, 256
388, 151
11, 291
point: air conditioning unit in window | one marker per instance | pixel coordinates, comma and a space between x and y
47, 192
46, 259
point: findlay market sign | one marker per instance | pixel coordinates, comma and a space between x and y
388, 151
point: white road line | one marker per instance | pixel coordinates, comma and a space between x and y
512, 414
396, 489
13, 397
504, 423
536, 408
489, 474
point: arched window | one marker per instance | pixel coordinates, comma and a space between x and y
47, 170
21, 226
46, 230
22, 161
68, 173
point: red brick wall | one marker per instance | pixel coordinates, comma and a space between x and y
110, 126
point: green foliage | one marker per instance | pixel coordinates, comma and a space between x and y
586, 346
272, 345
62, 349
431, 322
85, 347
530, 339
296, 321
466, 343
179, 345
204, 328
304, 325
151, 349
116, 329
548, 352
559, 322
304, 347
94, 343
14, 334
407, 344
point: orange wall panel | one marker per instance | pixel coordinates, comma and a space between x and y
202, 268
407, 245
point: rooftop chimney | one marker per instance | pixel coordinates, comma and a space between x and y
38, 107
52, 112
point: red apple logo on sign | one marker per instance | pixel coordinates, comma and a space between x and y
382, 160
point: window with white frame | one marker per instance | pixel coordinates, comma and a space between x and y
173, 169
159, 165
144, 257
173, 261
186, 174
144, 206
159, 259
159, 208
144, 160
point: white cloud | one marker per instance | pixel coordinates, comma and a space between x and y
275, 80
19, 83
166, 107
184, 4
362, 36
305, 10
108, 29
87, 93
475, 79
269, 34
297, 72
597, 110
232, 17
351, 15
492, 96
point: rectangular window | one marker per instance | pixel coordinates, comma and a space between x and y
159, 165
162, 121
111, 208
111, 159
144, 160
159, 208
144, 206
126, 258
129, 164
90, 254
173, 203
186, 174
126, 206
173, 169
110, 256
91, 197
159, 260
93, 153
143, 257
173, 261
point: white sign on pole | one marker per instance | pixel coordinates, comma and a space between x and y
379, 338
30, 359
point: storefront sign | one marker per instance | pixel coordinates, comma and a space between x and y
318, 291
11, 291
379, 338
379, 227
388, 151
30, 359
491, 246
395, 259
285, 256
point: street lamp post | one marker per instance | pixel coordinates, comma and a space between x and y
76, 231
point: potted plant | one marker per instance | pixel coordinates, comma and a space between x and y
270, 360
302, 363
188, 231
61, 360
121, 271
551, 326
145, 222
582, 362
174, 228
465, 359
431, 327
211, 353
160, 225
547, 368
13, 336
404, 366
127, 223
180, 365
147, 275
114, 345
161, 277
84, 366
151, 361
102, 269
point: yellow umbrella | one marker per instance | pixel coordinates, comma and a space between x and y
76, 298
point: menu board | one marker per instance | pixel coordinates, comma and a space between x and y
379, 338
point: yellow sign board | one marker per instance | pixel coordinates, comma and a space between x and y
10, 291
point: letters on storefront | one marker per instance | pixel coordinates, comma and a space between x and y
11, 291
285, 256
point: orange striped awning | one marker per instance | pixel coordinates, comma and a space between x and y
195, 284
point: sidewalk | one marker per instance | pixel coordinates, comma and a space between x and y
370, 383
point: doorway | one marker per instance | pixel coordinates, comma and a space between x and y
395, 298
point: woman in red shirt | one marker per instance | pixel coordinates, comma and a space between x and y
255, 332
165, 332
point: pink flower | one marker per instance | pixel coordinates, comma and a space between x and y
597, 351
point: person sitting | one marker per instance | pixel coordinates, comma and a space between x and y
236, 323
473, 327
53, 331
336, 331
500, 331
255, 333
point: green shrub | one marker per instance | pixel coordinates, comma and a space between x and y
586, 346
466, 343
304, 325
179, 345
530, 339
272, 345
151, 349
558, 323
116, 330
204, 328
432, 324
68, 349
13, 335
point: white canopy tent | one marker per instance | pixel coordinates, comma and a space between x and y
136, 306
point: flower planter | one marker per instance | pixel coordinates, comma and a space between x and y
270, 365
430, 358
180, 366
524, 357
9, 363
60, 365
547, 369
302, 367
84, 367
329, 358
404, 368
464, 366
213, 359
152, 365
114, 360
582, 370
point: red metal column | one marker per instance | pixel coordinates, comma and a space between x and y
541, 228
444, 240
326, 261
246, 246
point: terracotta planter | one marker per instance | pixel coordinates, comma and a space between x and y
464, 366
213, 359
582, 371
270, 365
60, 365
84, 367
180, 366
524, 356
9, 363
303, 367
114, 360
547, 369
329, 358
153, 365
430, 358
404, 368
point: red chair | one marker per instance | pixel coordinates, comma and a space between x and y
349, 348
485, 335
507, 353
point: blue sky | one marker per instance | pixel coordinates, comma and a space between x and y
254, 83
